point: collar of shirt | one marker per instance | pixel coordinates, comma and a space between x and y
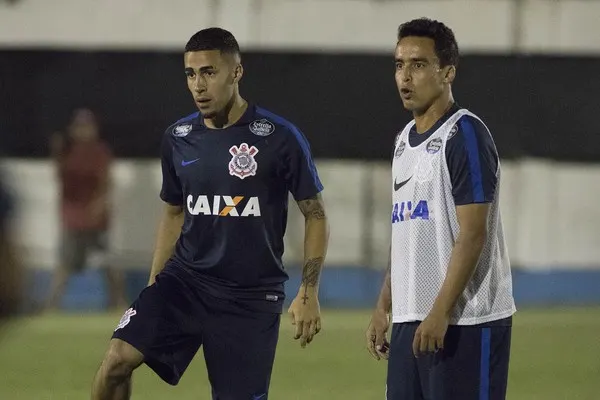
246, 118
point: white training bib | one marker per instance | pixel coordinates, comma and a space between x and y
424, 230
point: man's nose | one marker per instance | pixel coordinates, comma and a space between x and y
199, 84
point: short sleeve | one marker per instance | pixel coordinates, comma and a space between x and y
472, 161
302, 176
171, 191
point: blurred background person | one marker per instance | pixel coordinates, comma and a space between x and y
11, 274
83, 162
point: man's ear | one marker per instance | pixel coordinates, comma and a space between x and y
449, 73
238, 72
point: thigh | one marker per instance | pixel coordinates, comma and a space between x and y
472, 366
403, 380
239, 349
165, 324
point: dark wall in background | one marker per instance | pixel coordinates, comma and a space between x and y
347, 105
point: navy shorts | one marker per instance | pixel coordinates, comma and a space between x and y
172, 318
472, 366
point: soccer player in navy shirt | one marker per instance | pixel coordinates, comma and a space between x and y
217, 277
448, 287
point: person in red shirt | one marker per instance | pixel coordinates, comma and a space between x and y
83, 163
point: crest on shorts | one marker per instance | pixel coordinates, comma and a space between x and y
243, 164
182, 130
126, 318
262, 127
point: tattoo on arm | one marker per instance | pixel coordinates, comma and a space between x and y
310, 274
311, 271
312, 208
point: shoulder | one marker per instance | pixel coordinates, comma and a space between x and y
470, 133
405, 129
182, 126
470, 147
398, 137
470, 125
268, 123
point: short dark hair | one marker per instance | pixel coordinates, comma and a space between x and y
213, 39
446, 48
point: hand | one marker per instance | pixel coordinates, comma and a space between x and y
306, 316
377, 343
430, 334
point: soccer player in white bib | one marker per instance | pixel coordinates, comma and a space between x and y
448, 288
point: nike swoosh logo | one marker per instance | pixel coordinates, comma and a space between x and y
399, 185
260, 397
184, 163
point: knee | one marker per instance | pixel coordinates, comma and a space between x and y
120, 361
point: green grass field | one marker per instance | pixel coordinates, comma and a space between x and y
555, 355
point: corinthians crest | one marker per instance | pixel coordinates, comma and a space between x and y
126, 318
243, 163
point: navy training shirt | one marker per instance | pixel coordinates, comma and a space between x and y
234, 185
471, 157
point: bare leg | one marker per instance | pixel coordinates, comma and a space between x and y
113, 379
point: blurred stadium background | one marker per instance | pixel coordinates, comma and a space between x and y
529, 68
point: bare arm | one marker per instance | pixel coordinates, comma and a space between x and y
169, 229
472, 219
377, 343
316, 239
384, 302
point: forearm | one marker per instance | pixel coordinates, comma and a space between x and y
384, 302
169, 230
463, 261
316, 238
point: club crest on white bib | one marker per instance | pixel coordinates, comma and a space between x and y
243, 164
